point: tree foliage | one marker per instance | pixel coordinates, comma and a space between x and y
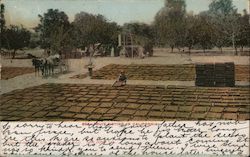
143, 33
15, 38
2, 22
204, 32
92, 29
140, 29
191, 34
221, 25
34, 40
169, 23
60, 39
243, 37
52, 25
2, 19
224, 18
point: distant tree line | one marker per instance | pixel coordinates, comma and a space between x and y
12, 37
220, 26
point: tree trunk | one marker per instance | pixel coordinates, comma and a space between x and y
233, 42
13, 54
242, 48
236, 51
189, 50
221, 50
204, 50
172, 49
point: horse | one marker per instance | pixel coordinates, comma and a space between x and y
45, 65
38, 64
51, 62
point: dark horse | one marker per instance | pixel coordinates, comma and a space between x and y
45, 65
38, 64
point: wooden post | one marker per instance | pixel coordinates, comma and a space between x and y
132, 49
119, 40
124, 42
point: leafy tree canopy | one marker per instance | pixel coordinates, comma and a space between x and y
50, 22
92, 29
169, 23
15, 38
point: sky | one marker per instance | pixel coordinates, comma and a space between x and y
25, 12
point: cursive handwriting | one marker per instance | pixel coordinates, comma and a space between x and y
125, 138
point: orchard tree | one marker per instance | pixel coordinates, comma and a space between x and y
220, 38
16, 38
34, 40
243, 37
204, 32
140, 29
2, 23
52, 25
90, 29
224, 18
169, 23
143, 33
191, 34
60, 39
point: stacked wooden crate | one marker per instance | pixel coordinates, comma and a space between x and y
230, 74
215, 75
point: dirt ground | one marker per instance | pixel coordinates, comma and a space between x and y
77, 67
130, 102
11, 72
185, 72
65, 97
